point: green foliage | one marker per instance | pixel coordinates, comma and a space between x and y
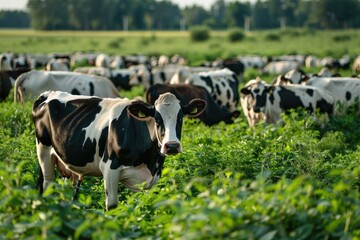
289, 181
272, 37
236, 35
199, 33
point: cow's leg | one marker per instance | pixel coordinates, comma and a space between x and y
111, 178
47, 165
77, 187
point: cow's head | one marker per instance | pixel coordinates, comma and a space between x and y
259, 92
168, 114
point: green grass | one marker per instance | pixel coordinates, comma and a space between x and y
300, 180
320, 43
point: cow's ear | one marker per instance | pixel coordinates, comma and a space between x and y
141, 110
194, 108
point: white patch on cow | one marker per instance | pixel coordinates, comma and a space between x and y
102, 119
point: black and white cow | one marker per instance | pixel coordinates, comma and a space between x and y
31, 84
345, 90
213, 113
58, 64
119, 139
272, 100
280, 67
222, 85
7, 81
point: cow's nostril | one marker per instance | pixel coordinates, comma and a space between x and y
172, 148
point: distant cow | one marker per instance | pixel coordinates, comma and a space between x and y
233, 64
31, 84
222, 85
213, 113
6, 62
345, 90
120, 77
59, 64
117, 139
280, 67
7, 81
102, 60
274, 100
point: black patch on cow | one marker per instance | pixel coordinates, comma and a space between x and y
217, 88
208, 82
288, 99
162, 76
66, 122
348, 95
310, 92
324, 106
219, 102
102, 141
128, 140
121, 81
92, 92
228, 94
75, 92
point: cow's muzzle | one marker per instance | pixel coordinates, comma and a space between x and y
172, 148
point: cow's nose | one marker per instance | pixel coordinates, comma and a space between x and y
172, 148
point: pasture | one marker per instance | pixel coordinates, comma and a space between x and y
300, 180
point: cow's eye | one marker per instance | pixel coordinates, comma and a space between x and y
256, 91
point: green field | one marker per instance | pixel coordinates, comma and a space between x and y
300, 180
291, 41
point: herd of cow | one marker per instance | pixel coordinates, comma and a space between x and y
84, 128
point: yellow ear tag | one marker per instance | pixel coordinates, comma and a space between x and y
194, 110
141, 114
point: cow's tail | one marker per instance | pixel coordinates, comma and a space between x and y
18, 91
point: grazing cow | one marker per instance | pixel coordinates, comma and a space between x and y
184, 73
119, 139
222, 85
298, 76
157, 75
247, 103
31, 84
294, 76
7, 81
102, 60
119, 77
233, 64
280, 67
345, 90
273, 100
6, 62
213, 113
58, 64
251, 61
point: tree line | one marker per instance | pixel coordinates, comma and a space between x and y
165, 15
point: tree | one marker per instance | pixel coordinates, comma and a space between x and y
195, 15
236, 13
333, 13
